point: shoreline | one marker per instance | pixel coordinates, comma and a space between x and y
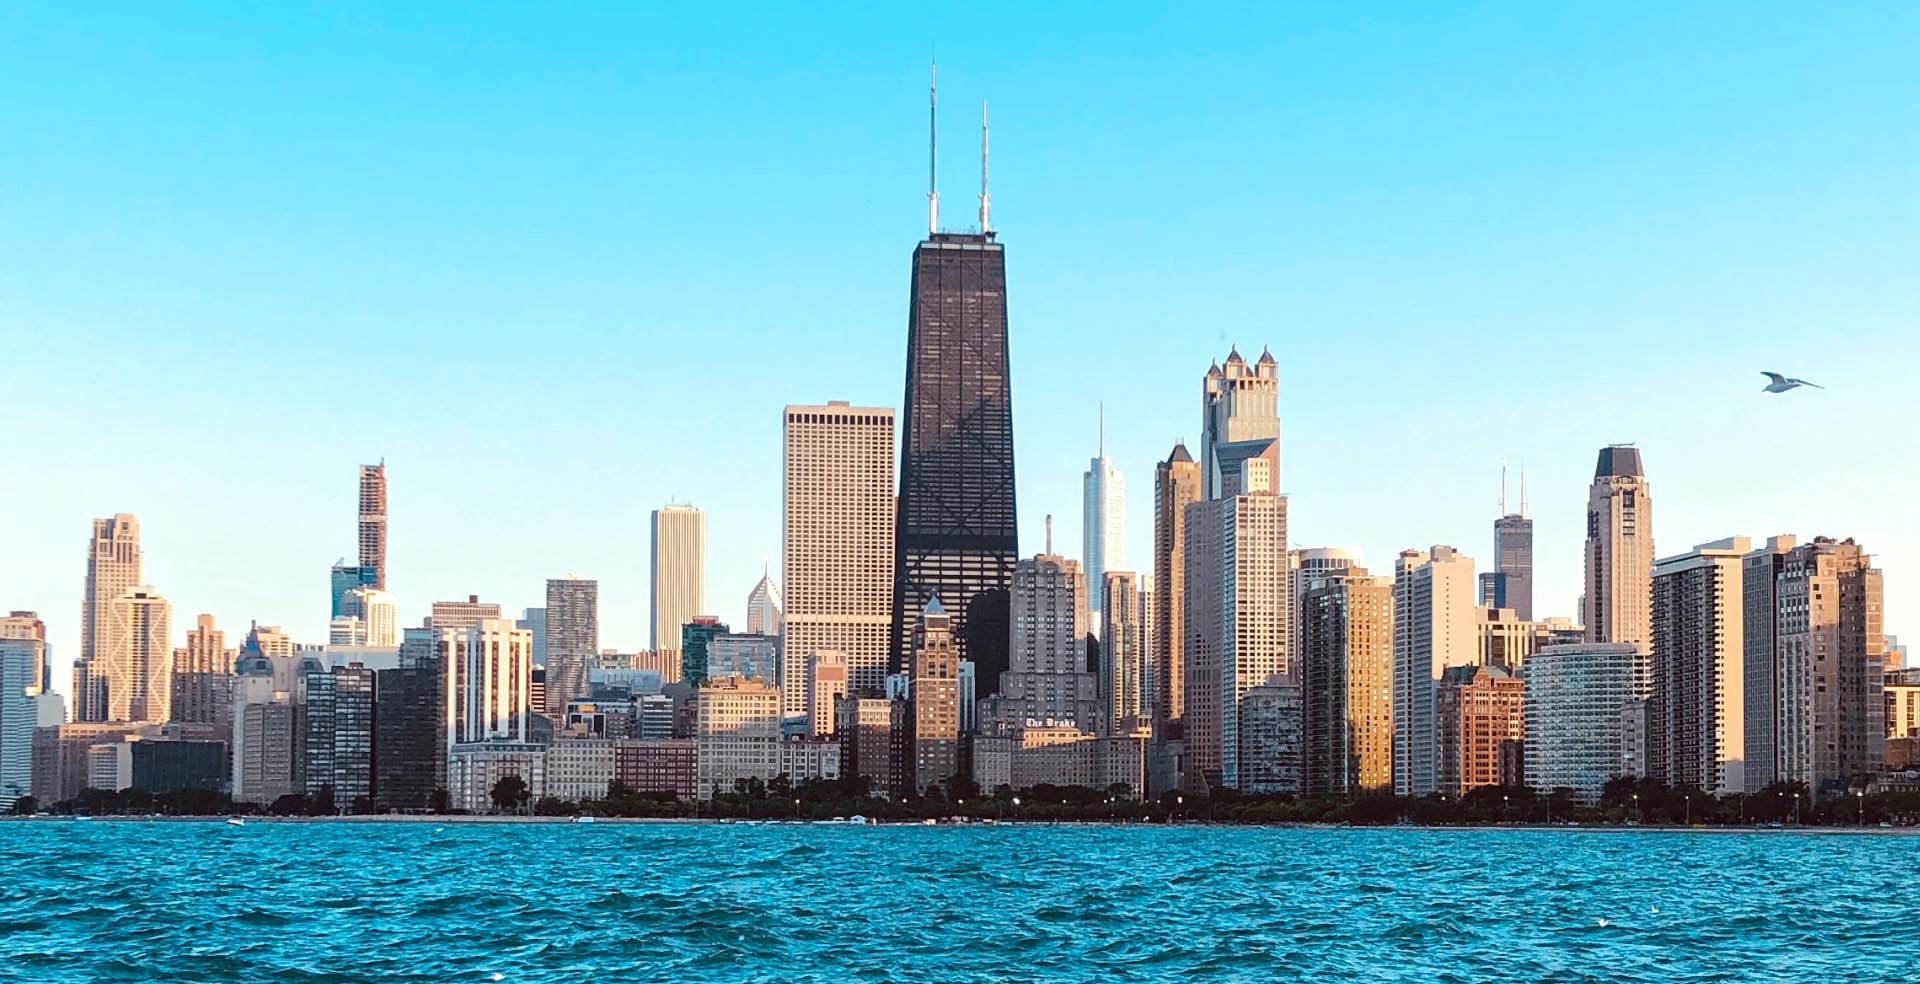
485, 819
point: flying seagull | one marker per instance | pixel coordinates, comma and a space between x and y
1781, 384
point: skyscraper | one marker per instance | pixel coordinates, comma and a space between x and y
1695, 711
1479, 727
836, 540
1239, 403
1574, 696
1239, 616
1103, 524
344, 578
1513, 554
1830, 710
138, 657
1435, 626
1123, 662
1346, 672
936, 701
23, 654
1176, 485
113, 569
955, 531
1049, 682
489, 680
679, 571
763, 606
1619, 556
203, 677
1759, 589
573, 637
378, 615
339, 734
373, 521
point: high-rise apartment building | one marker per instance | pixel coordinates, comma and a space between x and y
956, 536
1103, 527
409, 746
1238, 608
737, 730
1123, 660
23, 654
489, 681
1346, 657
679, 569
763, 607
1696, 734
573, 638
1573, 707
1049, 682
936, 701
338, 749
1435, 626
138, 657
203, 677
837, 530
1760, 573
1176, 485
1239, 403
1619, 556
1479, 728
1829, 711
373, 522
113, 569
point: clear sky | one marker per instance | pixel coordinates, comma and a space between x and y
560, 265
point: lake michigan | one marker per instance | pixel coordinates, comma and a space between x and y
339, 902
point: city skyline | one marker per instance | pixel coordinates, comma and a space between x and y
1750, 322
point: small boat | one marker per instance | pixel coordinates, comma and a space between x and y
582, 819
236, 822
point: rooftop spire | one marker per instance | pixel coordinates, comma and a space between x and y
986, 200
1503, 486
1523, 488
933, 147
1103, 428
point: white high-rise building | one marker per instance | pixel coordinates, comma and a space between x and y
1573, 707
138, 657
1696, 728
1619, 557
23, 654
1238, 617
679, 573
836, 537
1435, 625
378, 614
764, 615
489, 680
113, 569
1103, 523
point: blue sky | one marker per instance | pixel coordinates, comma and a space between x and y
558, 266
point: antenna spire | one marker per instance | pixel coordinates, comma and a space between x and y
1523, 488
1503, 486
1049, 534
1103, 428
986, 200
933, 147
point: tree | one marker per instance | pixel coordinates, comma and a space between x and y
321, 803
510, 793
554, 806
290, 805
25, 806
440, 801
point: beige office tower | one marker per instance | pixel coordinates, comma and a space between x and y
377, 615
1122, 660
203, 677
1346, 671
1176, 485
113, 569
1239, 402
1830, 711
1619, 557
1436, 625
1506, 640
826, 684
1696, 733
1047, 683
1238, 614
138, 657
1759, 588
936, 701
836, 546
679, 571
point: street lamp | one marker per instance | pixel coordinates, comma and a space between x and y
1504, 800
1860, 798
1637, 815
1796, 807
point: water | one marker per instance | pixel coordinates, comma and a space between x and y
299, 902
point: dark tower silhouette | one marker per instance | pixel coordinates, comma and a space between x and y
955, 525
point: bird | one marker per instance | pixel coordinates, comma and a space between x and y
1781, 384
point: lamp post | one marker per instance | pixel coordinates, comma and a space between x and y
1505, 799
1796, 808
1860, 798
1637, 815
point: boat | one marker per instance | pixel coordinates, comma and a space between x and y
236, 822
582, 819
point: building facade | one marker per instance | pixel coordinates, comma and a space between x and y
1829, 711
572, 626
1048, 680
1480, 729
1347, 682
679, 571
1123, 657
1103, 525
1239, 402
1177, 484
373, 522
1696, 726
1574, 727
1435, 626
113, 569
737, 728
1619, 557
936, 701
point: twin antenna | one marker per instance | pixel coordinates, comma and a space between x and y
933, 156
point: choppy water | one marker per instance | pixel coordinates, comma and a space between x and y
292, 902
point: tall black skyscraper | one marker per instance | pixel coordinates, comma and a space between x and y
955, 527
1513, 552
